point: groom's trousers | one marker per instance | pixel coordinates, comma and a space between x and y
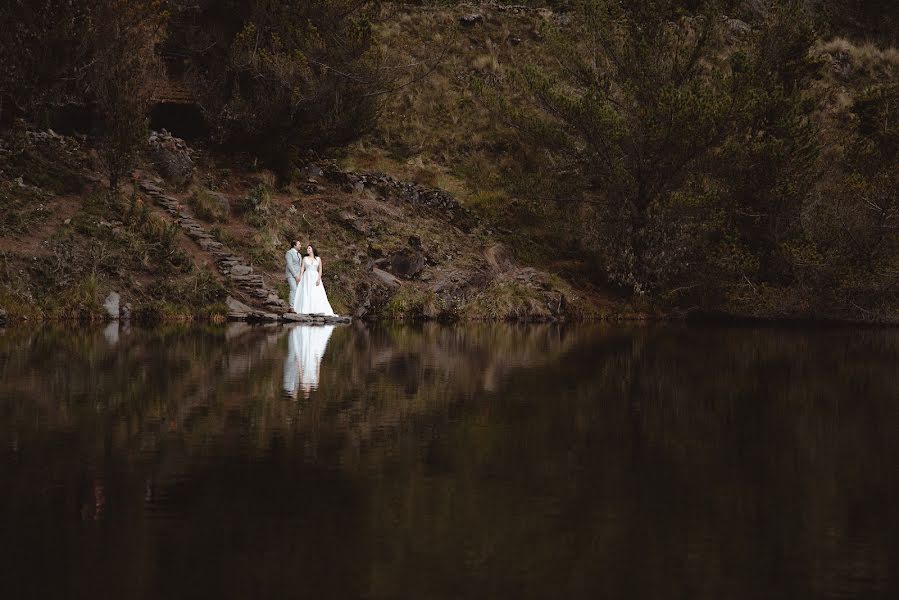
292, 282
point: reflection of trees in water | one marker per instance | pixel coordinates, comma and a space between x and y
685, 464
488, 459
216, 385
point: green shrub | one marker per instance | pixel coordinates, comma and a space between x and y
208, 206
410, 303
256, 206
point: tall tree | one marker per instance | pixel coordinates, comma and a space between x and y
277, 76
124, 72
651, 111
98, 53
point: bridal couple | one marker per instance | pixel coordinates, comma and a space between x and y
304, 276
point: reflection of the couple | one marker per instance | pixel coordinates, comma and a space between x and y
305, 347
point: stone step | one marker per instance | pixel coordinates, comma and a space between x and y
207, 243
241, 270
230, 265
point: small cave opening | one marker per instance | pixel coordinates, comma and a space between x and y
181, 120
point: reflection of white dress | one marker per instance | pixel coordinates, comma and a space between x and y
292, 363
310, 298
306, 346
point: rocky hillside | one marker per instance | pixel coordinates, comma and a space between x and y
195, 228
453, 128
446, 210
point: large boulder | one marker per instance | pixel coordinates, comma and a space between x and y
172, 157
405, 263
237, 310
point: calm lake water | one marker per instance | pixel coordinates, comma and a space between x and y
449, 462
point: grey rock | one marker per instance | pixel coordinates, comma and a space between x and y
296, 318
111, 305
357, 225
237, 307
250, 280
172, 159
737, 27
4, 319
406, 263
241, 270
150, 187
386, 278
471, 20
263, 316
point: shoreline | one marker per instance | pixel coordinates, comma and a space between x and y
709, 319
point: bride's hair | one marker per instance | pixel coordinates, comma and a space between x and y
314, 251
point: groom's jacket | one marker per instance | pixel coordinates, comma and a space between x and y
292, 260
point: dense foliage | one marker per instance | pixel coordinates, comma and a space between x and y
278, 77
85, 52
273, 77
703, 165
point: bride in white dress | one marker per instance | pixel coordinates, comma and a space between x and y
310, 297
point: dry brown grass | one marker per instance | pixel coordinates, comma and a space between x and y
854, 60
442, 118
847, 69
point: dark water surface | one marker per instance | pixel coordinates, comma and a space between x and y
449, 462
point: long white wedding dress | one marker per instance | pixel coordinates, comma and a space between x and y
309, 298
